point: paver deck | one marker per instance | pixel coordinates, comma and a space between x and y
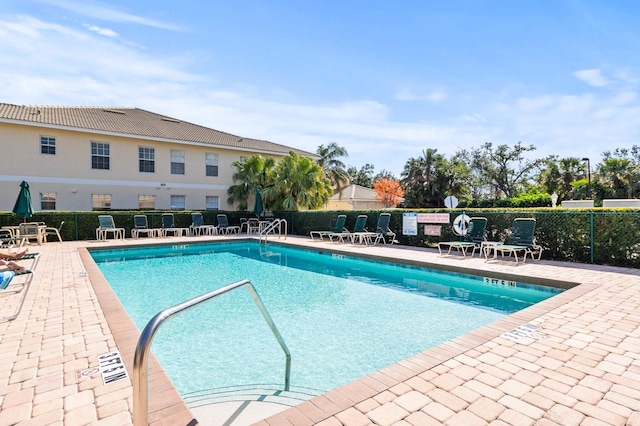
580, 367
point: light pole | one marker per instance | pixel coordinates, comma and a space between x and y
588, 177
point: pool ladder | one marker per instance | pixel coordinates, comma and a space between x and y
277, 227
140, 358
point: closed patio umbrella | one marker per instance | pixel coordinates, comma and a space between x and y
258, 208
24, 206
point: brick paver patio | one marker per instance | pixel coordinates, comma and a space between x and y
580, 367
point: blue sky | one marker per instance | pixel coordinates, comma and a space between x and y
384, 79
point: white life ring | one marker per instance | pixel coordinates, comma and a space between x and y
461, 224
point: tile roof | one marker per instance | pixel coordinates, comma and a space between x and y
135, 122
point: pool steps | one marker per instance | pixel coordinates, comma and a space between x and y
261, 393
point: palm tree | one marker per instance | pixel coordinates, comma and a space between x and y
255, 172
300, 183
616, 176
334, 168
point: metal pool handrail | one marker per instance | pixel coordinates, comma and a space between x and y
276, 225
140, 358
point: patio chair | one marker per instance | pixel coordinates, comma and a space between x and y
31, 231
50, 231
473, 238
521, 240
107, 226
141, 227
338, 228
169, 227
224, 227
358, 230
382, 231
198, 226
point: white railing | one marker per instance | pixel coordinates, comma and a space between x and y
277, 227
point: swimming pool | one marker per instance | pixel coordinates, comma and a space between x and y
341, 317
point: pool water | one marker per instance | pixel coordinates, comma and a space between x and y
341, 317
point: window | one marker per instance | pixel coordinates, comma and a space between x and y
177, 202
242, 159
101, 201
99, 156
47, 201
213, 202
47, 145
211, 164
177, 162
146, 202
147, 159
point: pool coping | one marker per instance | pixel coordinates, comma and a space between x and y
167, 407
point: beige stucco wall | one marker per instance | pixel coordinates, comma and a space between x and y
68, 173
354, 205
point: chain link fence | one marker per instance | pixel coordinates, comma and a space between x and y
605, 237
599, 237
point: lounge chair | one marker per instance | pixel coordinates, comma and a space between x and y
473, 238
382, 231
9, 240
141, 227
338, 227
169, 227
107, 225
198, 226
358, 230
14, 282
224, 227
521, 240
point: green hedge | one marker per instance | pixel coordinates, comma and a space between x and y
601, 236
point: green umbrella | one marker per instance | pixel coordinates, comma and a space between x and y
24, 206
258, 207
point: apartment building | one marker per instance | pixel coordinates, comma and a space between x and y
87, 158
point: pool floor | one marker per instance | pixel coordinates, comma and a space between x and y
324, 307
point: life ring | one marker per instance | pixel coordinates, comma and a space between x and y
461, 224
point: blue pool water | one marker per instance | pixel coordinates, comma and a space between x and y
341, 317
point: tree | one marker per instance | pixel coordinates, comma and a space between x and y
616, 177
561, 176
504, 169
332, 166
384, 174
426, 180
299, 183
388, 191
255, 172
362, 177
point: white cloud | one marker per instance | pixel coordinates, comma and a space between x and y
436, 95
109, 14
592, 77
102, 31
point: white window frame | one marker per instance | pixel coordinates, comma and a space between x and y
47, 143
178, 202
101, 201
48, 200
146, 202
178, 163
212, 202
100, 150
146, 156
211, 164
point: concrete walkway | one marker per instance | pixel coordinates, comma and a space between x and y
577, 363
